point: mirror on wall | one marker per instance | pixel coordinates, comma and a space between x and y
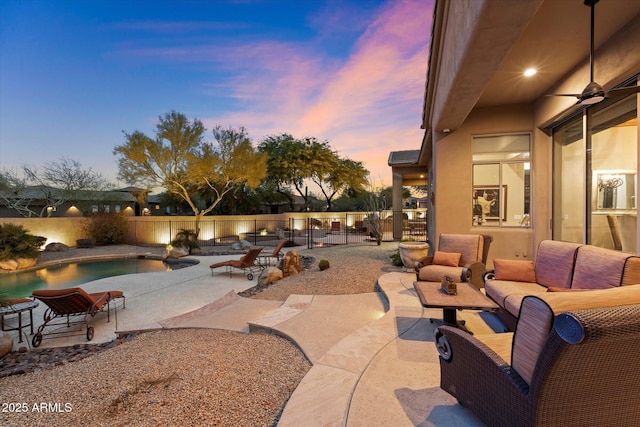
615, 190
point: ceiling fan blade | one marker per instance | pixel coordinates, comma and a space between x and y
623, 91
575, 95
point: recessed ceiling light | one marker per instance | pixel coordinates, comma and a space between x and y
530, 72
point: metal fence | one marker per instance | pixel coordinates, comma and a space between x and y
312, 231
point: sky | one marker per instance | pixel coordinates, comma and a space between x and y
75, 75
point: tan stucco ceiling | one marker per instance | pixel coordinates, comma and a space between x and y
482, 65
555, 41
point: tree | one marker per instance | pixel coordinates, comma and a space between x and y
292, 161
287, 164
55, 183
182, 162
343, 174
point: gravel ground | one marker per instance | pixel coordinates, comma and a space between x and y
187, 377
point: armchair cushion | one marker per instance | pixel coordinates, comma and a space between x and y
435, 273
450, 259
514, 270
470, 246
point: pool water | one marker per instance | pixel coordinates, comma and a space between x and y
74, 274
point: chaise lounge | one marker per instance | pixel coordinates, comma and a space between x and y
63, 304
246, 263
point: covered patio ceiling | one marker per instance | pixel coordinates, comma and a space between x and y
484, 66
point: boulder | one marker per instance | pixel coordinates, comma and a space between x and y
178, 252
9, 265
56, 247
290, 264
6, 344
26, 262
269, 276
246, 244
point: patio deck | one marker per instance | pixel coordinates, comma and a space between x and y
374, 361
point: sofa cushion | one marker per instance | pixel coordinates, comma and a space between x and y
435, 273
538, 312
631, 274
470, 246
554, 263
501, 290
450, 259
506, 269
598, 268
499, 343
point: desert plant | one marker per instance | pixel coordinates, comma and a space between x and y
187, 239
323, 264
396, 259
106, 228
16, 242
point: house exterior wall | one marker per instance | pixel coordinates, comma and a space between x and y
454, 181
450, 170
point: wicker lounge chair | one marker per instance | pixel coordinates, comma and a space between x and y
63, 304
460, 256
247, 263
583, 371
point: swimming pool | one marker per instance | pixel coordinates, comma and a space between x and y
72, 274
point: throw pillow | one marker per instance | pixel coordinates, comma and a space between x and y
521, 271
450, 259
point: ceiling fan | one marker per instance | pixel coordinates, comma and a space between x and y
594, 93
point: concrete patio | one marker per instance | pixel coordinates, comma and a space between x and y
374, 360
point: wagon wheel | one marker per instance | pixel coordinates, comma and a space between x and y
37, 339
250, 276
89, 333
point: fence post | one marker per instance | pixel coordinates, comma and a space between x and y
346, 228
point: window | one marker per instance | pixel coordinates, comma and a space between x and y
595, 176
501, 180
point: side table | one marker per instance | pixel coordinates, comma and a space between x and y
18, 306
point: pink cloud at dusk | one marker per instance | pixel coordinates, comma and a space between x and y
366, 106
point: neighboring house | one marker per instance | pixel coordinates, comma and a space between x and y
284, 206
48, 201
503, 158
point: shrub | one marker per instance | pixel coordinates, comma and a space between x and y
396, 259
187, 239
16, 242
106, 228
323, 264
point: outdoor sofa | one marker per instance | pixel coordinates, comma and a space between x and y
559, 266
572, 361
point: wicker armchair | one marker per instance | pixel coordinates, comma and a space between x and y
587, 371
472, 249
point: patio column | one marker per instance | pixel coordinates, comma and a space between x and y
397, 206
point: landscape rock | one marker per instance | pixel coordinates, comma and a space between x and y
269, 276
56, 247
6, 344
241, 245
178, 252
9, 265
26, 262
290, 264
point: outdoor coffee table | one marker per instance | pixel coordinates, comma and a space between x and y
468, 298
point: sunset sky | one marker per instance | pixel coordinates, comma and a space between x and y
75, 74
